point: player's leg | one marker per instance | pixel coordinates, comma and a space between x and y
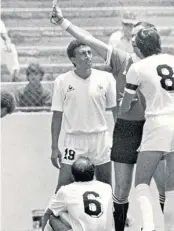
169, 207
146, 165
65, 176
99, 153
73, 148
57, 224
104, 172
126, 140
160, 179
123, 181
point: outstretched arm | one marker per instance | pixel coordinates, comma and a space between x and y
80, 34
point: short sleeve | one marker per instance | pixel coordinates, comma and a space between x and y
117, 60
57, 204
58, 96
132, 80
111, 93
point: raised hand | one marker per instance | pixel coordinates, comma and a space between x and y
56, 15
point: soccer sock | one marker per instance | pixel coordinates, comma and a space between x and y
120, 215
144, 198
169, 211
162, 201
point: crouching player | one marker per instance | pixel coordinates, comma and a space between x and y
88, 202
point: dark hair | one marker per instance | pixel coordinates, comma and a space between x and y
83, 169
145, 25
35, 68
7, 101
148, 41
72, 46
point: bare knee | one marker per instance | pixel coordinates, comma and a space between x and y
123, 182
121, 193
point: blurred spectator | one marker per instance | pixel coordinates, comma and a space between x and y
7, 103
9, 56
122, 38
33, 94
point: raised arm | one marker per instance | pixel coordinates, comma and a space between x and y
80, 34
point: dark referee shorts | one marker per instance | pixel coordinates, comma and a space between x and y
126, 140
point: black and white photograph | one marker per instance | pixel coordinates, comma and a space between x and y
87, 115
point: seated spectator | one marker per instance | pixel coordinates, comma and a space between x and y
33, 94
9, 56
7, 103
122, 38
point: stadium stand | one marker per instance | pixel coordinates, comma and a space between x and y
38, 40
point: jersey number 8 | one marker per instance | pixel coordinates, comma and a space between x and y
167, 74
92, 206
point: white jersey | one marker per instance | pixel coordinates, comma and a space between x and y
89, 205
84, 102
154, 76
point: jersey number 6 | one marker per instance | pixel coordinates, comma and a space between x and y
167, 74
91, 205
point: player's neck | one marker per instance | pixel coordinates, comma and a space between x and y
84, 74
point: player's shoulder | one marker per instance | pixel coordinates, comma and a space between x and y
104, 75
167, 57
119, 57
63, 77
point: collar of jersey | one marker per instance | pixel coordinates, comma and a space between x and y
81, 79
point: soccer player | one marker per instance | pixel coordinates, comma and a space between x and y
9, 56
88, 202
82, 96
154, 77
128, 128
7, 103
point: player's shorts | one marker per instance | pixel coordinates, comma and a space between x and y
127, 137
158, 134
10, 59
96, 146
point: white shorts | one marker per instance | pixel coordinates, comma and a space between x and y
158, 134
10, 59
96, 146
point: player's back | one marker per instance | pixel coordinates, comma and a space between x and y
89, 205
156, 75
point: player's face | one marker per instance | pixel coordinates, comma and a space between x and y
134, 33
3, 112
83, 57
